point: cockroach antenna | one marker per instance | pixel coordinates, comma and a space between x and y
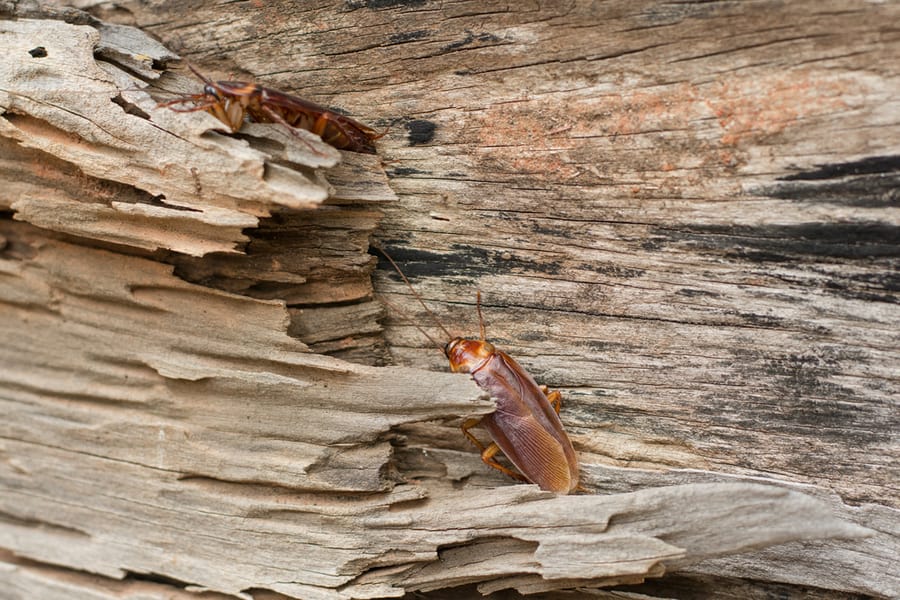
414, 292
480, 318
199, 75
397, 310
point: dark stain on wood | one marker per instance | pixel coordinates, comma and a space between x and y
872, 182
382, 4
468, 262
470, 39
405, 171
865, 191
797, 394
797, 243
873, 165
692, 293
814, 248
421, 131
410, 36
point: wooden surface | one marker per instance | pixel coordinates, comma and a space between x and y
684, 216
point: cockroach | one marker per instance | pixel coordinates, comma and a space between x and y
525, 427
234, 101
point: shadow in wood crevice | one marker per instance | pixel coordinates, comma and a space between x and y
157, 578
704, 586
46, 527
32, 170
317, 263
270, 501
500, 555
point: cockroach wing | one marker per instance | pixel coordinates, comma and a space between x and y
525, 426
536, 453
289, 101
340, 130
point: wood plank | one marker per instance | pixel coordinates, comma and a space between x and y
682, 216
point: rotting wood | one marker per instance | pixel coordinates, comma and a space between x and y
694, 237
179, 181
193, 427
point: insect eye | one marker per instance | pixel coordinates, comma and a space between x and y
210, 91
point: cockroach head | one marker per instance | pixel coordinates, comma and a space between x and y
209, 88
467, 356
211, 91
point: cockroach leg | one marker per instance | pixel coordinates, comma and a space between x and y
554, 398
469, 424
382, 134
279, 119
223, 114
487, 455
320, 124
197, 106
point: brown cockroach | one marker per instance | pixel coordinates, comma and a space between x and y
526, 425
234, 101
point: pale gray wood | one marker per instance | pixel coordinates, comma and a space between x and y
25, 579
184, 181
683, 216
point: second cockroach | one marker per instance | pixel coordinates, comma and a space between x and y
525, 427
234, 101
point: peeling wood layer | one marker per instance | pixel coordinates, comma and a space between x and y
92, 125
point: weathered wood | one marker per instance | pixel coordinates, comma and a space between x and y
684, 216
184, 190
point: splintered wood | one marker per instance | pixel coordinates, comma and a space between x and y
181, 420
681, 215
131, 173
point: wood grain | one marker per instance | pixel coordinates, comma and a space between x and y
684, 216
